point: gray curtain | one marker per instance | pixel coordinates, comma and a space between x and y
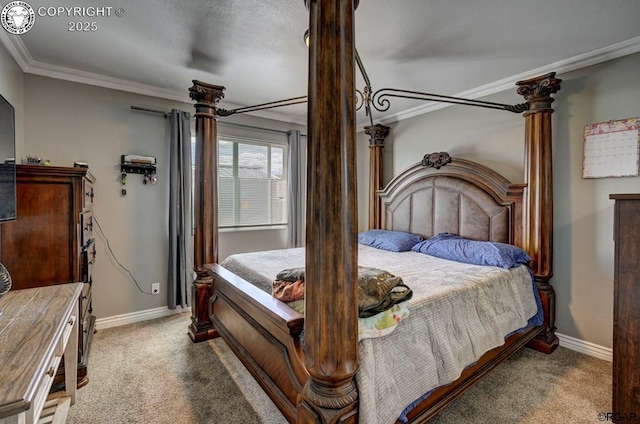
181, 273
297, 188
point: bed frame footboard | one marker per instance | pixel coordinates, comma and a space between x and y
264, 333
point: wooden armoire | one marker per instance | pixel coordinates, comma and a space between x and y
51, 241
626, 307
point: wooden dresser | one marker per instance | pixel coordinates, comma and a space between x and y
51, 242
626, 306
37, 327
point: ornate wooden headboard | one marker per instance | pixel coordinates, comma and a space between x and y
455, 196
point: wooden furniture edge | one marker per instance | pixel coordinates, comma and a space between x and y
537, 214
56, 170
377, 135
625, 403
265, 335
278, 312
75, 177
205, 206
10, 412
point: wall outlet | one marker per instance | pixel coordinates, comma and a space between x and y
155, 288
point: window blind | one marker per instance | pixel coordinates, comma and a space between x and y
252, 183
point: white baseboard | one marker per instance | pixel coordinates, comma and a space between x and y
133, 317
587, 348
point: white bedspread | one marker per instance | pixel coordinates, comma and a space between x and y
458, 312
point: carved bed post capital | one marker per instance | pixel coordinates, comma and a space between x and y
377, 135
205, 243
537, 92
202, 92
537, 218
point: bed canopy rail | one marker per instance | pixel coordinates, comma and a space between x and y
378, 100
262, 106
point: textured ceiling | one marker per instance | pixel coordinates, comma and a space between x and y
255, 47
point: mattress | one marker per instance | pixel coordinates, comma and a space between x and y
458, 312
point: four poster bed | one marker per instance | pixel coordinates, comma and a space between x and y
313, 366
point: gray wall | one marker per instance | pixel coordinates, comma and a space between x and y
69, 122
583, 213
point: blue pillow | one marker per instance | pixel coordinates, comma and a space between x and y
393, 241
457, 248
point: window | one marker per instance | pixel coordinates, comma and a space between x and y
252, 183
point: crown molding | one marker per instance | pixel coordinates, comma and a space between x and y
23, 58
594, 57
21, 55
74, 75
25, 61
16, 49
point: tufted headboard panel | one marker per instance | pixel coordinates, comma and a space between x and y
461, 197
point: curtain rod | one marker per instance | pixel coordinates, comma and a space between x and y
165, 114
251, 127
144, 109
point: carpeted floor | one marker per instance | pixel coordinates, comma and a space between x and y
151, 372
533, 388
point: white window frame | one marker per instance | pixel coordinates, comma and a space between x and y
251, 141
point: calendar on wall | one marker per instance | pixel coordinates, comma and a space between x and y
611, 149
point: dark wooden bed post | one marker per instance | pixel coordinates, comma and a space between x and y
331, 330
538, 196
377, 133
205, 242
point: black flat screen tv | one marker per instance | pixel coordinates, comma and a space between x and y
7, 161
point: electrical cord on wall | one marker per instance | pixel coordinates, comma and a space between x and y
104, 238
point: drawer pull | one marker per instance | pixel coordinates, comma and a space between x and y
51, 372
